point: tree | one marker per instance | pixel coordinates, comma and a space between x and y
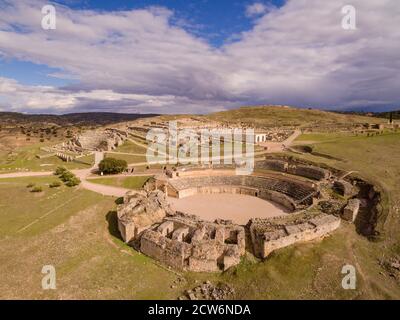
112, 165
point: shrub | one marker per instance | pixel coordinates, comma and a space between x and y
59, 171
55, 184
112, 166
37, 189
74, 181
66, 176
30, 185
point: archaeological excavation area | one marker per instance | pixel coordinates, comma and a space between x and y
194, 218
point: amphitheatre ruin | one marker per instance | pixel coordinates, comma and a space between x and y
206, 217
302, 196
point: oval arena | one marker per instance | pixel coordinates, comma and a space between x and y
204, 219
212, 194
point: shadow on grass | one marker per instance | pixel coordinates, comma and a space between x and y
112, 220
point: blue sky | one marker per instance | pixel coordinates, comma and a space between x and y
181, 56
216, 20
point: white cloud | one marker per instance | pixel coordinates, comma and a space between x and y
256, 9
138, 61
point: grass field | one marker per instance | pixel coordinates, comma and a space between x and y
124, 182
130, 159
130, 147
79, 239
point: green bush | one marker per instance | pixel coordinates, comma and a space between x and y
112, 166
74, 181
59, 171
37, 189
30, 185
66, 176
55, 184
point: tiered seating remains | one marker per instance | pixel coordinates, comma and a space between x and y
292, 189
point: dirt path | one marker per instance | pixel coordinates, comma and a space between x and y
25, 174
280, 146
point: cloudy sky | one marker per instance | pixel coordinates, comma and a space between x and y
182, 56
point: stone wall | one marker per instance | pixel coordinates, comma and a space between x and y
139, 212
293, 193
218, 189
276, 165
350, 212
344, 188
282, 235
308, 171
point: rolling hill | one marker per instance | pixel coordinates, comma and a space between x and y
289, 116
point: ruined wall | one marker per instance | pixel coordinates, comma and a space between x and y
310, 172
139, 211
289, 187
344, 188
205, 246
217, 189
279, 198
276, 165
350, 212
96, 140
280, 236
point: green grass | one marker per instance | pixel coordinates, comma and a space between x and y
79, 239
130, 159
124, 182
131, 147
16, 215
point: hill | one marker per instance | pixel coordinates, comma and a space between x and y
272, 116
87, 119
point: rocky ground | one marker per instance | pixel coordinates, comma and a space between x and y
209, 291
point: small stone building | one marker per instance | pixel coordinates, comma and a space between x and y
350, 212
